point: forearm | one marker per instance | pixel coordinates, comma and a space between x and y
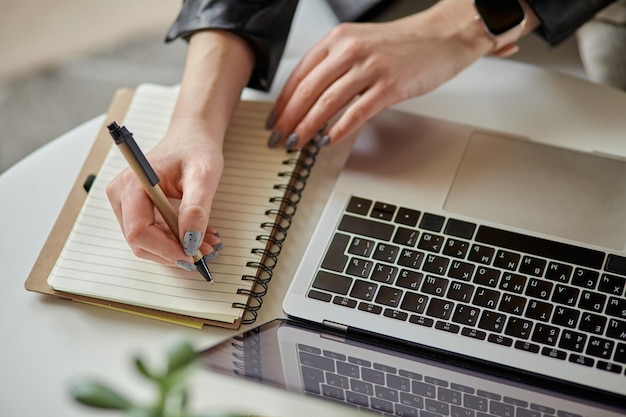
218, 67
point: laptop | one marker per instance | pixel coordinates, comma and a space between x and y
391, 379
482, 246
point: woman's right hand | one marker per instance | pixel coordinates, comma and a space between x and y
189, 165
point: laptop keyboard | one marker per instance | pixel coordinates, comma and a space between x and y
545, 297
392, 391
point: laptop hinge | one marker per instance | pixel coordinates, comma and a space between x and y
335, 326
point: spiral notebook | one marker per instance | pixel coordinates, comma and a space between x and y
252, 210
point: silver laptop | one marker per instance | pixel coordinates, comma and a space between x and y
390, 378
475, 244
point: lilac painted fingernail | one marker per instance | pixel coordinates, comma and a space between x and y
191, 242
187, 266
270, 121
325, 140
274, 139
292, 140
210, 256
218, 247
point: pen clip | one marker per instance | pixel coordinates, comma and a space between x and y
121, 134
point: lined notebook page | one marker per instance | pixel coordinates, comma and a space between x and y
97, 262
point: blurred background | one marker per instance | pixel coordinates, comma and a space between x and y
62, 60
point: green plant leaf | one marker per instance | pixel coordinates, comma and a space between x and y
141, 367
180, 355
98, 395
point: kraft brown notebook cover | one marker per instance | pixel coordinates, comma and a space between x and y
256, 198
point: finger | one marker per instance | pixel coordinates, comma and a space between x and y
195, 208
358, 112
335, 98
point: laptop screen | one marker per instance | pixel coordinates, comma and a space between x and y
393, 379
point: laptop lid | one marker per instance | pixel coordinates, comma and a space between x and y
388, 378
557, 207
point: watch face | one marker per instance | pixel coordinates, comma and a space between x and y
500, 15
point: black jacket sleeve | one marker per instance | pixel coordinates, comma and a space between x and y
264, 24
560, 18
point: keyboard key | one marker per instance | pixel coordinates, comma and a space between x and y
526, 346
411, 258
317, 362
456, 248
539, 288
344, 301
385, 393
366, 227
383, 211
492, 321
436, 264
361, 247
616, 329
512, 282
500, 340
612, 284
389, 296
357, 399
559, 272
512, 304
423, 389
465, 314
487, 276
592, 301
359, 205
409, 279
335, 260
566, 295
414, 302
364, 290
386, 253
592, 323
348, 369
506, 260
545, 334
620, 353
482, 254
581, 360
564, 316
337, 380
573, 341
435, 285
554, 353
430, 242
312, 378
440, 308
585, 278
501, 410
541, 247
361, 387
381, 405
532, 266
411, 400
616, 264
373, 376
460, 228
359, 267
337, 284
406, 237
600, 348
422, 321
384, 273
437, 407
476, 403
432, 222
447, 327
609, 367
518, 327
538, 310
332, 392
616, 307
318, 295
460, 292
461, 270
404, 411
399, 383
473, 333
407, 216
484, 297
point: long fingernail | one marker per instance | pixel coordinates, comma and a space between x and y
274, 139
270, 121
292, 140
191, 242
187, 266
218, 246
325, 140
210, 256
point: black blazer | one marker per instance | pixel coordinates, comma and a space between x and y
265, 24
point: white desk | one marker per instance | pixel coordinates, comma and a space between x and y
46, 343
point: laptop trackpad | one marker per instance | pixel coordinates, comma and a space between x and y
541, 188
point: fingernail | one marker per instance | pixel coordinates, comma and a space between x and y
271, 119
292, 140
218, 246
217, 234
191, 242
324, 141
187, 266
274, 138
210, 256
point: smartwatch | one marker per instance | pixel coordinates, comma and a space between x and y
504, 22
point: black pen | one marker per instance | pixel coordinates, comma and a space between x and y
150, 181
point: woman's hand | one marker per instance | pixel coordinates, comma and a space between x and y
189, 166
362, 68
